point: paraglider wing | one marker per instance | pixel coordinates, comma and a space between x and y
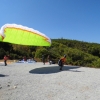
22, 35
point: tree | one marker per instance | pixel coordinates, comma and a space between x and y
41, 51
2, 53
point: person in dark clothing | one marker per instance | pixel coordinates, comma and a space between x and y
43, 59
5, 60
61, 62
49, 59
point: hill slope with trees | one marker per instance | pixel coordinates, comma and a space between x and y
79, 53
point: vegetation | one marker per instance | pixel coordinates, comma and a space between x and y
78, 53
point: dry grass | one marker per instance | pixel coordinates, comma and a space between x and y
8, 61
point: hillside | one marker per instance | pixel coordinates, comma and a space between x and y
78, 53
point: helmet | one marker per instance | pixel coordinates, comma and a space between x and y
64, 55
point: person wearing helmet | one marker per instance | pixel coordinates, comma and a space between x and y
61, 62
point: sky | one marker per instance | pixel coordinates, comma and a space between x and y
68, 19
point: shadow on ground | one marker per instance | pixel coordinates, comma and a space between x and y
53, 69
1, 75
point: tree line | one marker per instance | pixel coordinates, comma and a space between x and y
79, 53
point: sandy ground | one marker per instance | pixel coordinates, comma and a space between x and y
35, 81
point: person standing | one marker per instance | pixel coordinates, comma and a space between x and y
43, 59
61, 62
49, 59
5, 60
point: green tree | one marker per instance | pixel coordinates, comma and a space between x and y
2, 53
41, 51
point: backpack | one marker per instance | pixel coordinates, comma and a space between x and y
60, 62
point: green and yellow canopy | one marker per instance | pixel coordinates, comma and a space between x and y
18, 34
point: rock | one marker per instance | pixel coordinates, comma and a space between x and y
0, 87
8, 85
15, 87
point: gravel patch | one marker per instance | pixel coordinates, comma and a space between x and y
35, 81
